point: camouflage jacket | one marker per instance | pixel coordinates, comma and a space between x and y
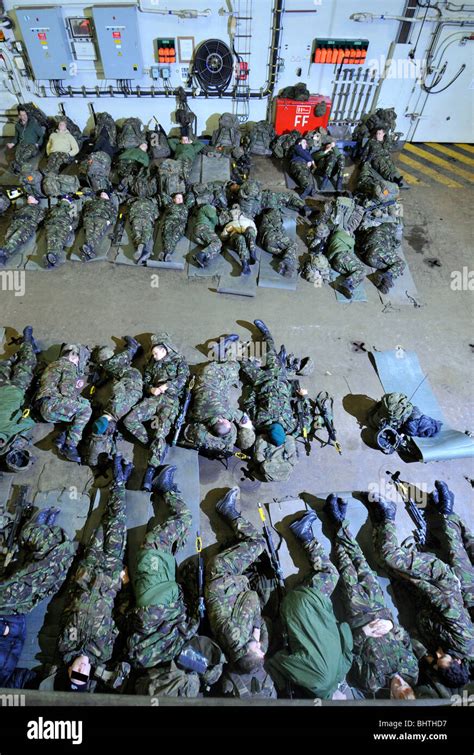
234, 611
97, 208
59, 379
29, 215
172, 370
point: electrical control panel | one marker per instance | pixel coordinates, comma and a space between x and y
117, 35
44, 34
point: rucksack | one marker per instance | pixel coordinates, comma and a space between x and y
143, 184
132, 134
261, 135
228, 132
72, 127
256, 684
158, 142
171, 178
283, 145
393, 409
58, 184
276, 462
168, 681
297, 92
30, 181
105, 121
38, 115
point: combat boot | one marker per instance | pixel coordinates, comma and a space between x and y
60, 440
3, 257
442, 498
148, 478
139, 251
282, 355
41, 516
164, 480
87, 252
303, 528
144, 255
325, 184
223, 344
339, 184
347, 288
262, 328
335, 509
383, 281
52, 515
70, 453
132, 345
381, 510
50, 260
226, 506
245, 268
201, 258
28, 338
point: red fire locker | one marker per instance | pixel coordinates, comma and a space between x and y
293, 114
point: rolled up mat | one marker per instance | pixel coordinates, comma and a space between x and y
399, 371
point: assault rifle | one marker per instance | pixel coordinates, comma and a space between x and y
324, 404
200, 577
22, 508
183, 412
415, 513
300, 408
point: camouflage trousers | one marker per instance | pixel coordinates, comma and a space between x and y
172, 232
24, 154
172, 534
330, 165
75, 411
58, 237
19, 369
383, 164
441, 615
241, 243
18, 234
279, 244
56, 161
233, 561
162, 411
87, 623
301, 175
324, 575
361, 590
208, 239
95, 230
459, 544
378, 248
347, 264
143, 229
127, 388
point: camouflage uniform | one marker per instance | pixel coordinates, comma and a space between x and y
459, 545
56, 161
174, 227
377, 154
28, 139
330, 164
378, 248
99, 215
162, 409
376, 659
341, 256
49, 554
301, 175
59, 399
233, 608
241, 235
204, 231
273, 239
97, 170
185, 153
127, 385
441, 618
87, 625
160, 625
142, 215
212, 398
22, 228
60, 225
253, 199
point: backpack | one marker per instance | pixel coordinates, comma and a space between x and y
38, 115
171, 178
297, 92
276, 462
228, 132
105, 121
143, 184
132, 134
168, 681
256, 684
58, 184
393, 409
285, 143
30, 181
261, 135
158, 142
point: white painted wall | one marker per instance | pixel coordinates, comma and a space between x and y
445, 117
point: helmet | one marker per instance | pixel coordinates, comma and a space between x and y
18, 459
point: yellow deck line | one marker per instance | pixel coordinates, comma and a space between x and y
467, 147
430, 172
451, 153
439, 161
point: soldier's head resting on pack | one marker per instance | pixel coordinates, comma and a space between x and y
400, 689
79, 673
144, 147
379, 134
221, 427
62, 126
253, 657
71, 351
185, 139
159, 352
31, 199
178, 198
276, 434
302, 143
451, 670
